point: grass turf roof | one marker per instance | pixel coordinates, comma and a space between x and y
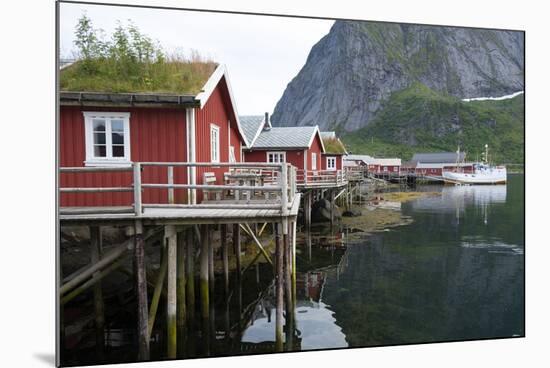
176, 77
334, 146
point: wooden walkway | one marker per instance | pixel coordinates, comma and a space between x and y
187, 215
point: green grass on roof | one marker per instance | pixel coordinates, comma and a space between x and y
107, 75
334, 146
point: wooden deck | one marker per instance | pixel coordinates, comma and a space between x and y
173, 215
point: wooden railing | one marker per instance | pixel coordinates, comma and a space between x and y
355, 173
321, 178
274, 189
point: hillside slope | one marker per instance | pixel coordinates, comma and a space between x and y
419, 119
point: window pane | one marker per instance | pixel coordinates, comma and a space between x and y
118, 138
99, 125
118, 151
99, 138
117, 126
100, 151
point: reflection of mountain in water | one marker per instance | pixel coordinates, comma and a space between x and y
446, 277
395, 293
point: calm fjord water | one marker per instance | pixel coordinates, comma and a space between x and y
456, 272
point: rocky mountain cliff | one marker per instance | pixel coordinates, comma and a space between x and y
351, 71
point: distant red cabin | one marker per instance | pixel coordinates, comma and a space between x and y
299, 146
114, 130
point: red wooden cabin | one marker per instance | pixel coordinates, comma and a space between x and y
116, 129
334, 152
299, 146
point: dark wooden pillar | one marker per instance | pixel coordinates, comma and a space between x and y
96, 250
204, 286
181, 311
171, 295
279, 253
225, 256
141, 291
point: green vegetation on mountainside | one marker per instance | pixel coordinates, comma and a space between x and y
418, 119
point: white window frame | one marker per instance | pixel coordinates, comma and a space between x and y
385, 169
279, 154
313, 161
333, 166
215, 154
109, 160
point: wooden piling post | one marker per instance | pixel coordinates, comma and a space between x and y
279, 289
225, 256
204, 284
288, 290
99, 311
237, 249
332, 204
190, 275
171, 295
293, 268
210, 263
141, 291
181, 311
307, 208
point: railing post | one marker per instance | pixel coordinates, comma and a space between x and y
137, 188
284, 188
171, 181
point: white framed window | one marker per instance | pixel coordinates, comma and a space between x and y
214, 143
313, 161
276, 157
331, 163
385, 169
232, 154
107, 138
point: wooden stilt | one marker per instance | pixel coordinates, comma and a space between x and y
237, 247
293, 249
141, 291
190, 275
279, 289
171, 298
211, 263
159, 284
307, 208
332, 204
225, 256
96, 252
288, 291
181, 311
204, 285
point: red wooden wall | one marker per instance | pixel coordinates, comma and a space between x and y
156, 134
217, 111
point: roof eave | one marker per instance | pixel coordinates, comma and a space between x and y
208, 88
78, 98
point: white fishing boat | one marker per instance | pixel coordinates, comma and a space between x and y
482, 173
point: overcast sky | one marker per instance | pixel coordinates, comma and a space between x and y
262, 53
